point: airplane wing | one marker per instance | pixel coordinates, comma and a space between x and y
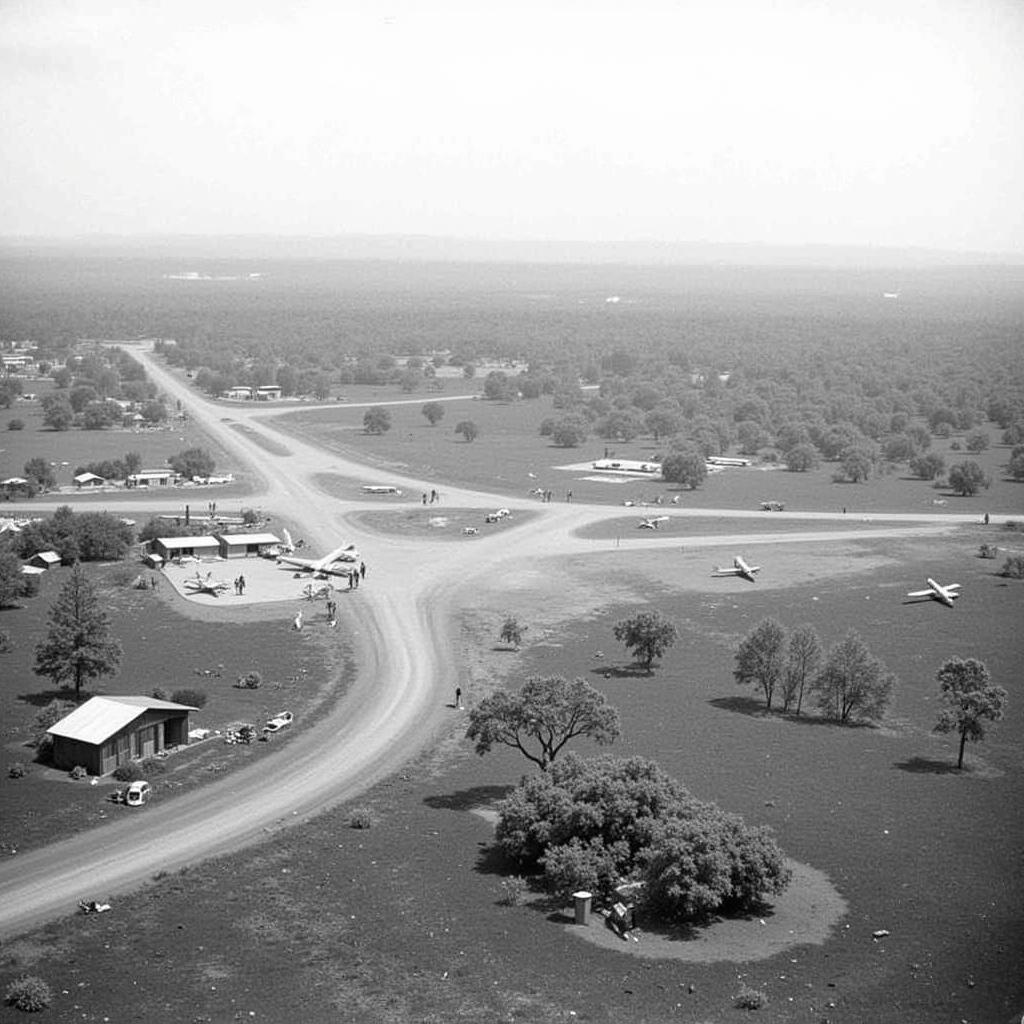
951, 586
726, 572
921, 593
346, 553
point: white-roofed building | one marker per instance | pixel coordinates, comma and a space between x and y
170, 548
86, 480
105, 732
45, 560
244, 545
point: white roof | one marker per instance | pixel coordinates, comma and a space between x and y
201, 541
84, 477
100, 717
11, 480
47, 556
249, 538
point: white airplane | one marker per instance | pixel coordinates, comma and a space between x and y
946, 594
653, 523
739, 568
339, 561
210, 586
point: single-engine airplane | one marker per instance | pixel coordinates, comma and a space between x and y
739, 568
199, 585
946, 594
339, 562
653, 523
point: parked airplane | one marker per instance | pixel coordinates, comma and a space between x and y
653, 523
339, 562
209, 585
946, 594
739, 568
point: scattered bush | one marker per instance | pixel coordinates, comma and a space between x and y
1013, 525
360, 817
250, 681
5, 642
130, 771
79, 772
15, 424
1013, 567
988, 551
49, 715
28, 993
17, 771
194, 698
154, 766
512, 891
159, 693
751, 998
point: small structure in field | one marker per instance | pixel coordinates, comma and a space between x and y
152, 478
105, 732
630, 466
246, 545
171, 548
85, 481
268, 393
44, 560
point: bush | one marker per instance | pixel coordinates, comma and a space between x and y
988, 551
1013, 567
250, 681
131, 771
15, 424
159, 693
28, 993
79, 772
751, 998
49, 715
360, 817
154, 766
195, 698
512, 891
17, 771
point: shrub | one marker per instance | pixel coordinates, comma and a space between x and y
988, 551
250, 681
360, 817
15, 424
1013, 567
130, 771
49, 715
159, 693
751, 998
79, 772
28, 993
195, 698
17, 771
154, 766
512, 891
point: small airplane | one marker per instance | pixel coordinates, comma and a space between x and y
653, 523
339, 561
946, 594
739, 568
209, 585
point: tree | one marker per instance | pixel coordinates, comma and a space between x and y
468, 429
685, 467
468, 371
1015, 467
542, 717
976, 441
57, 412
39, 471
967, 478
646, 636
512, 632
410, 379
853, 683
12, 582
62, 377
663, 422
377, 420
434, 411
803, 659
928, 466
970, 698
192, 462
498, 387
78, 646
761, 658
855, 464
801, 457
568, 432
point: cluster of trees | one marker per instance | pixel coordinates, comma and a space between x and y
849, 682
113, 469
594, 823
76, 537
192, 462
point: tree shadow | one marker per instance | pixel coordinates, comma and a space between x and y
468, 799
928, 766
622, 672
741, 706
753, 708
41, 698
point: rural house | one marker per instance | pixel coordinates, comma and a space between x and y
44, 560
105, 732
244, 545
86, 480
169, 548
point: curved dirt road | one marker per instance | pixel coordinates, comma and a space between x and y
405, 664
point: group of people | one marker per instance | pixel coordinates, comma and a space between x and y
356, 576
240, 585
434, 496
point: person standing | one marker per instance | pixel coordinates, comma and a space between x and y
362, 570
458, 698
241, 585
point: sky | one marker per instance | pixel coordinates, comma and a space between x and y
786, 122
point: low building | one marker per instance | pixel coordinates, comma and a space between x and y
105, 732
44, 560
152, 478
245, 545
627, 466
240, 393
171, 548
268, 393
86, 480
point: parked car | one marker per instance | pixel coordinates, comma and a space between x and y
138, 793
278, 722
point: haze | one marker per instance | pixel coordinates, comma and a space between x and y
877, 123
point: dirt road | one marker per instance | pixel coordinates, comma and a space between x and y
403, 619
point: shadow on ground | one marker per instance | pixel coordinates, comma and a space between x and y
468, 799
622, 672
927, 766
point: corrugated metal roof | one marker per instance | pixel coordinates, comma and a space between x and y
100, 717
172, 543
249, 538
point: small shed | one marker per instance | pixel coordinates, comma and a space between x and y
169, 548
44, 559
105, 732
86, 480
244, 545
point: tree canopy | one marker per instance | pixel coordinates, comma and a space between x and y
434, 412
967, 478
192, 462
761, 658
468, 429
686, 467
377, 420
646, 635
971, 700
542, 718
853, 684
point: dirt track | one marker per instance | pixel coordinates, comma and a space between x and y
403, 617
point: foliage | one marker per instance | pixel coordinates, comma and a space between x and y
192, 462
803, 659
77, 646
434, 412
12, 582
499, 387
159, 693
1013, 567
250, 681
976, 441
57, 412
761, 658
1015, 467
361, 817
967, 478
647, 636
855, 464
751, 998
130, 771
113, 469
17, 771
928, 466
377, 420
966, 688
513, 890
50, 714
853, 684
15, 424
193, 698
77, 536
39, 472
29, 993
78, 772
569, 431
468, 429
687, 467
801, 457
576, 865
542, 718
512, 632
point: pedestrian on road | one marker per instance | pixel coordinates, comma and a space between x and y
241, 584
424, 497
362, 570
986, 519
458, 698
351, 579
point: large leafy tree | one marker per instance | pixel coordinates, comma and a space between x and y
78, 646
38, 470
542, 718
761, 658
647, 635
853, 684
376, 420
468, 429
12, 583
967, 478
434, 411
686, 467
970, 700
192, 462
803, 659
